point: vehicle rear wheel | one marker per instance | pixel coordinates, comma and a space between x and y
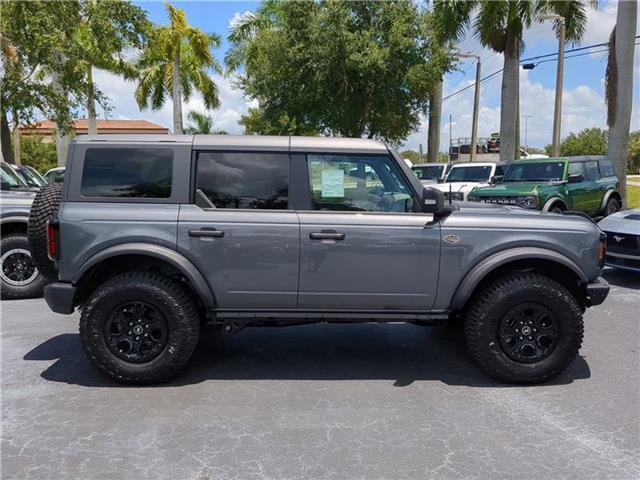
524, 328
19, 277
140, 327
43, 209
612, 207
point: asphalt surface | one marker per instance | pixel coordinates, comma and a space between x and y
321, 401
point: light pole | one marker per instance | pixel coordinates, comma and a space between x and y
526, 125
476, 105
557, 113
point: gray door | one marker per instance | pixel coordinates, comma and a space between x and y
361, 247
239, 233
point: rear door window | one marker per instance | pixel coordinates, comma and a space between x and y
606, 168
247, 180
592, 171
127, 172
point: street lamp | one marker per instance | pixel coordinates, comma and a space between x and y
557, 113
476, 105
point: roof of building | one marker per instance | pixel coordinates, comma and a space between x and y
81, 126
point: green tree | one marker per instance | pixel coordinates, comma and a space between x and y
411, 155
202, 124
499, 25
106, 32
177, 62
343, 68
257, 122
633, 166
38, 153
590, 141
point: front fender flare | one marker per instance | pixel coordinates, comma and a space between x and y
551, 201
473, 278
156, 251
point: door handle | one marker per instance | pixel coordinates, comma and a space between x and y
326, 235
207, 232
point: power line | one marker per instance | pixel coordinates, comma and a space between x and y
492, 75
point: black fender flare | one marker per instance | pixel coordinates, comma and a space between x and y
172, 257
551, 201
474, 276
607, 196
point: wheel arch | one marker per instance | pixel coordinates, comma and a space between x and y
140, 256
611, 193
13, 224
547, 205
545, 261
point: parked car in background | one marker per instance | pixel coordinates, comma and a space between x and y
623, 239
11, 180
430, 172
464, 177
55, 175
585, 184
19, 277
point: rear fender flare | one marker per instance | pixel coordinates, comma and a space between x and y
156, 251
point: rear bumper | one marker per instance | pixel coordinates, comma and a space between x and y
597, 291
59, 296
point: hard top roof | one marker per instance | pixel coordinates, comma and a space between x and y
578, 158
249, 142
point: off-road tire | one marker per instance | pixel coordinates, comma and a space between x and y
556, 208
612, 207
9, 290
43, 209
492, 303
170, 297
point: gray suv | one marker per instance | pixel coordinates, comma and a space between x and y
153, 236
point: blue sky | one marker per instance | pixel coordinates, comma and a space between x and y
583, 104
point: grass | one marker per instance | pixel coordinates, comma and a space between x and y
633, 196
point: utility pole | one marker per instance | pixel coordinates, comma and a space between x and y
476, 106
450, 139
526, 127
557, 112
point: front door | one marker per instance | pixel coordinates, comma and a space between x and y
361, 245
239, 231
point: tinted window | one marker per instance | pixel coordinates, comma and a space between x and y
606, 168
576, 169
499, 171
470, 173
357, 183
591, 168
10, 177
127, 172
244, 180
535, 172
429, 172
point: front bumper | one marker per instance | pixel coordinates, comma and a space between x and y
597, 291
59, 296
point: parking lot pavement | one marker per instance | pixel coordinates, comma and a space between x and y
321, 401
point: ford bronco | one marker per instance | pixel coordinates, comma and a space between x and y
152, 236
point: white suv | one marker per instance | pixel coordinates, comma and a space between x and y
464, 177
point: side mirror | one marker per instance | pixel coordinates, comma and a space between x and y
496, 179
5, 186
440, 180
576, 178
432, 200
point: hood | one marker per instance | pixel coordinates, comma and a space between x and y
17, 197
626, 221
509, 188
457, 186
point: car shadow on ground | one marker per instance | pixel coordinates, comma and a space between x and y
622, 278
400, 353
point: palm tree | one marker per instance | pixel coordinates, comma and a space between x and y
176, 63
619, 90
202, 124
499, 25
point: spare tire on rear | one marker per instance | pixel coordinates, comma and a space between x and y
43, 209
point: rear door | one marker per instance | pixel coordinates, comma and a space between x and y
578, 192
362, 246
239, 230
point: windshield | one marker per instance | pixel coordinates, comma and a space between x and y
31, 177
429, 172
10, 177
469, 173
53, 176
535, 172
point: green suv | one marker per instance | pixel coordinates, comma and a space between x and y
586, 184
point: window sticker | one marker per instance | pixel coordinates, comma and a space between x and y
332, 184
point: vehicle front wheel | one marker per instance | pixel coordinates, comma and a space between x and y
140, 327
524, 328
19, 277
612, 207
